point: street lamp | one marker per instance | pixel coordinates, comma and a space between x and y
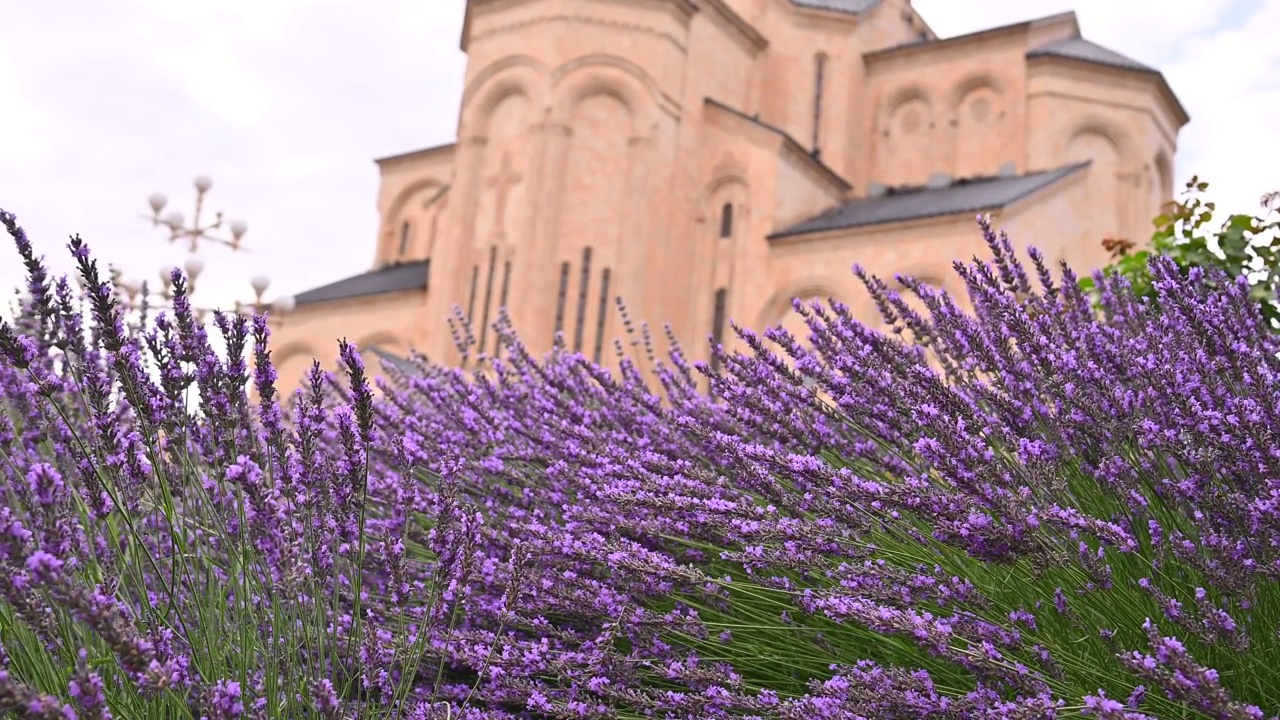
260, 283
175, 222
136, 292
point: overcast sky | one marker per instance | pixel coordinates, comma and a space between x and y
285, 103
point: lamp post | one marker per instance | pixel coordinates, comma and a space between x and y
135, 292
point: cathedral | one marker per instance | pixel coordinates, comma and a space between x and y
706, 161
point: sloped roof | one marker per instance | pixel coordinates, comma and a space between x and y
853, 7
962, 196
415, 153
800, 150
402, 364
393, 278
1088, 51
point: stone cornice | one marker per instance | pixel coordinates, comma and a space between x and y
743, 29
684, 8
585, 19
1163, 90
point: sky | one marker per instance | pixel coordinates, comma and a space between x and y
284, 104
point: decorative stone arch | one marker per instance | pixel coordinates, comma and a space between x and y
926, 274
490, 86
972, 82
901, 96
591, 75
779, 304
1114, 178
1093, 125
721, 181
608, 109
975, 114
516, 80
710, 205
279, 356
282, 358
403, 197
384, 340
393, 217
905, 148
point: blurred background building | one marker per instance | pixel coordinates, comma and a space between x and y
712, 160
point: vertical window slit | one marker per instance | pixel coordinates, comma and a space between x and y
726, 220
717, 324
819, 70
488, 296
471, 302
582, 299
564, 290
404, 238
502, 303
604, 314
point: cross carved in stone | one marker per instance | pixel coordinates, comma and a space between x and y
502, 182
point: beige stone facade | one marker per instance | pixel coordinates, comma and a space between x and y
708, 160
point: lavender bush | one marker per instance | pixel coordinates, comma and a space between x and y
1029, 510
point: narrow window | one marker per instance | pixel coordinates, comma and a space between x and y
488, 296
717, 324
582, 299
404, 239
819, 71
604, 314
726, 220
502, 303
564, 290
471, 302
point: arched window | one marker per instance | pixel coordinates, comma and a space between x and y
819, 73
726, 220
404, 238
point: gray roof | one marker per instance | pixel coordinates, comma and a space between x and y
402, 364
853, 7
393, 278
962, 196
1087, 51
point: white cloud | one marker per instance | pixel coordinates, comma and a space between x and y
285, 104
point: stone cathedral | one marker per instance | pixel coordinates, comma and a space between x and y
709, 160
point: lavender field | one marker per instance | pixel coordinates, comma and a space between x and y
1041, 508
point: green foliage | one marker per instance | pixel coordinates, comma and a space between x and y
1243, 245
